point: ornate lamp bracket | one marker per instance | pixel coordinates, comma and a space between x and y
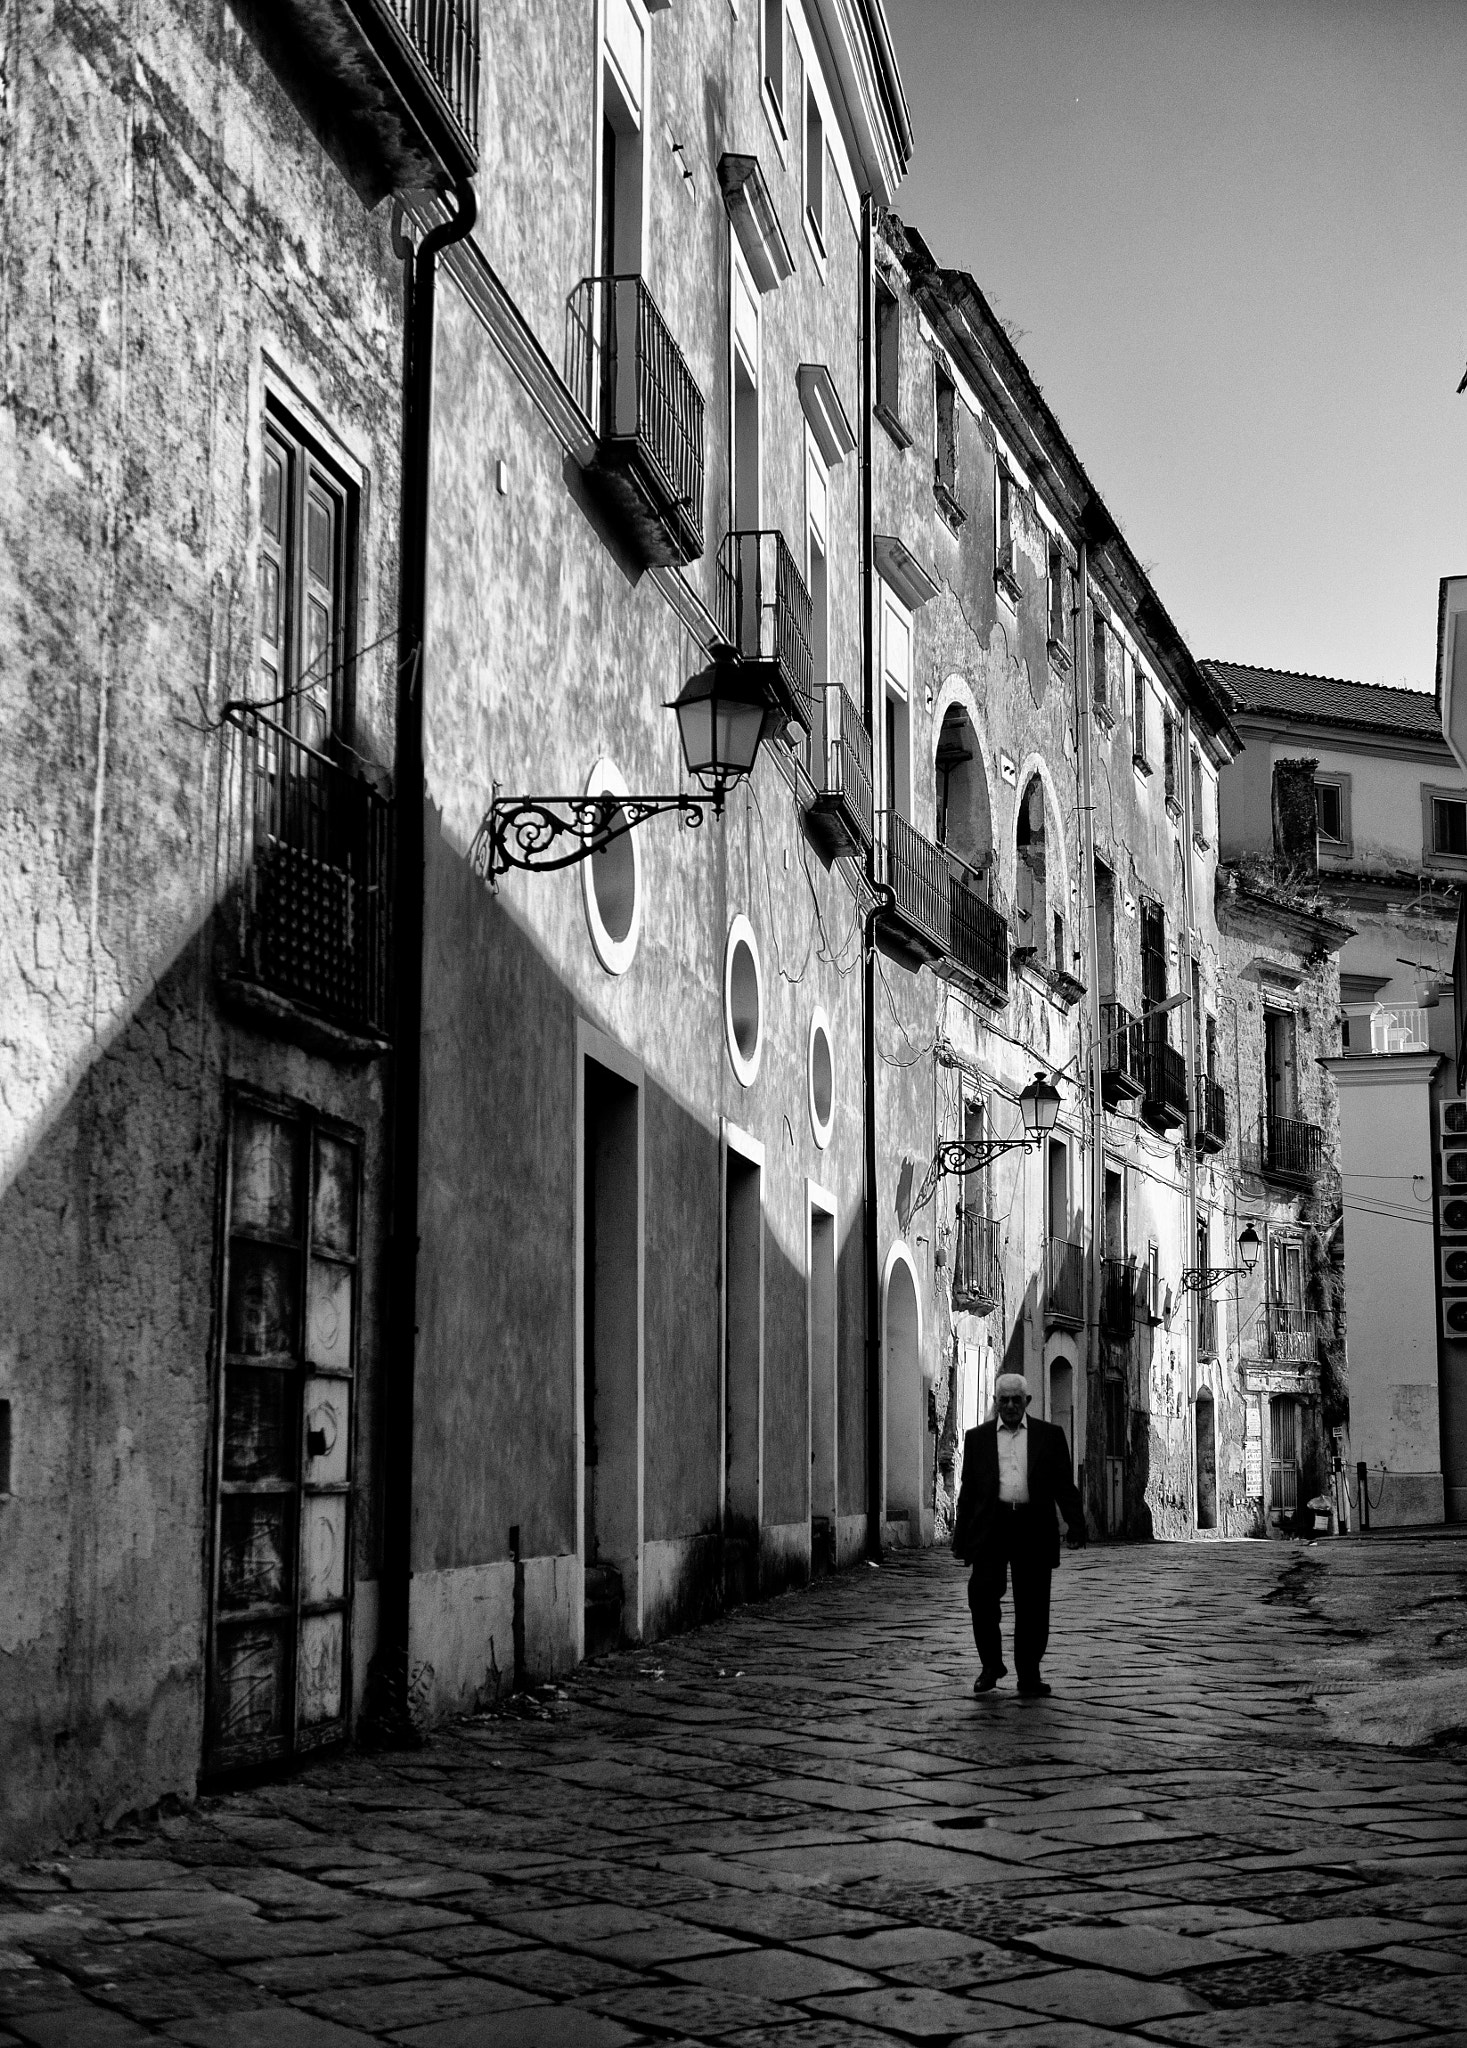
965, 1155
543, 833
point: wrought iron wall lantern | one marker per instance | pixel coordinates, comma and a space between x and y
1039, 1109
723, 719
1202, 1279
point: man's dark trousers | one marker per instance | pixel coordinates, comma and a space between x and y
1016, 1548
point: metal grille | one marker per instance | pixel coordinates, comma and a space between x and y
445, 34
1285, 1150
633, 384
916, 872
976, 1264
848, 771
311, 856
768, 616
1166, 1075
979, 936
1212, 1111
1289, 1335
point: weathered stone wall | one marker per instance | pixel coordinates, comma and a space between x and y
171, 225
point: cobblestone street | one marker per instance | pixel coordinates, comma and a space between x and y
1241, 1818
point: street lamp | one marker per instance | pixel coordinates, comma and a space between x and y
1038, 1111
723, 718
1202, 1279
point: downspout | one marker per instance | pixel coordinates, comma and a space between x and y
1189, 1249
868, 941
1084, 643
393, 1614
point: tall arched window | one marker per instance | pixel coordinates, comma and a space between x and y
1031, 900
964, 820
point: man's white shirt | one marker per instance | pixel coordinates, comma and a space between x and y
1013, 1463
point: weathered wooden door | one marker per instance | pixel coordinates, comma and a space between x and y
280, 1626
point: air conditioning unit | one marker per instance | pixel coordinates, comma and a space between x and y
1454, 1315
1454, 1168
1452, 1215
1454, 1121
1454, 1268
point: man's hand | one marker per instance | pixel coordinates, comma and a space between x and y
1077, 1537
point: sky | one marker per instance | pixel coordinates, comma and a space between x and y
1229, 240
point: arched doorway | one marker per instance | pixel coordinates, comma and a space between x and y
1062, 1401
964, 815
906, 1418
1206, 1460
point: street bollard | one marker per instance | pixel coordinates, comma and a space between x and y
1363, 1496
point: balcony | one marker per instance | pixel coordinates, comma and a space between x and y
1286, 1335
1212, 1115
1207, 1327
839, 820
1118, 1298
1285, 1150
310, 853
399, 80
768, 621
978, 943
629, 378
1164, 1085
977, 1278
1064, 1302
915, 926
1122, 1064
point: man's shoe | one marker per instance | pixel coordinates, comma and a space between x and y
987, 1680
1034, 1689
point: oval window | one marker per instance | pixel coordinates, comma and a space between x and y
743, 1000
611, 883
821, 1078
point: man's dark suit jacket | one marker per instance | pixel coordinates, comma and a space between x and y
1051, 1486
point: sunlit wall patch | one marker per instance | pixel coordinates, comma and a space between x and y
743, 1000
611, 883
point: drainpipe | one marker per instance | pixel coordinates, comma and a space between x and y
393, 1633
1084, 644
1189, 1248
872, 1233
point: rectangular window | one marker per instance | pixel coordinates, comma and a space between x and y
1153, 1281
814, 169
1330, 811
4, 1448
817, 581
1060, 964
744, 492
279, 1677
896, 666
1449, 826
1056, 606
945, 407
888, 359
1003, 515
1280, 1076
773, 37
1139, 738
307, 521
1100, 650
623, 98
1171, 767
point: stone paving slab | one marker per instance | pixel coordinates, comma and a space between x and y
807, 1833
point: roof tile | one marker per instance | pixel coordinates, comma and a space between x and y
1326, 700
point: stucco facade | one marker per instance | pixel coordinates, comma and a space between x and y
183, 262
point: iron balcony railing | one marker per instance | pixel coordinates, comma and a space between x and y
1065, 1300
1207, 1326
630, 379
1164, 1086
768, 618
1118, 1297
917, 874
1122, 1065
310, 858
843, 778
1212, 1115
1284, 1149
977, 1286
978, 938
444, 34
1288, 1335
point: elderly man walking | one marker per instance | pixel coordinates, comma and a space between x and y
1016, 1474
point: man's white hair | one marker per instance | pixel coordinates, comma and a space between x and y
1010, 1383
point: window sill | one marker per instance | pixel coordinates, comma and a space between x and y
892, 424
948, 506
1059, 656
1141, 765
279, 1017
775, 117
1006, 583
1173, 807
